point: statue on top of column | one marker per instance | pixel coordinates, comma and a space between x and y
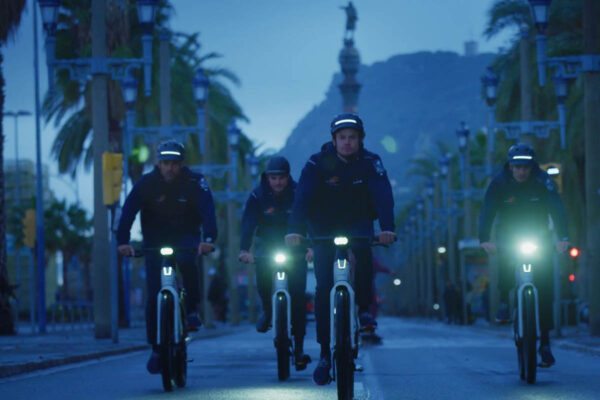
351, 17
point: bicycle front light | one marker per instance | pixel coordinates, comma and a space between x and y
280, 258
528, 248
340, 241
166, 251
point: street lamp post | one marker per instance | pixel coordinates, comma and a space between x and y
465, 171
414, 274
490, 85
99, 66
421, 247
17, 200
429, 192
446, 174
569, 67
233, 136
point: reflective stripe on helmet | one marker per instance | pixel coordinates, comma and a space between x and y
343, 121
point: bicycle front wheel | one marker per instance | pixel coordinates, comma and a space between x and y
167, 342
344, 359
529, 336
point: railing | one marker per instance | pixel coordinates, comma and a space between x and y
72, 315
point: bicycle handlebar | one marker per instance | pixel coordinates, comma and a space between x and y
141, 252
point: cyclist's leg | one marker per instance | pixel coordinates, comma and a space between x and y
188, 268
264, 283
324, 253
544, 283
297, 288
363, 276
153, 264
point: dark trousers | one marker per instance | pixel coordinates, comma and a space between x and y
187, 267
363, 283
296, 286
543, 279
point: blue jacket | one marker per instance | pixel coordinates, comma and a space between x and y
267, 214
522, 208
171, 213
336, 196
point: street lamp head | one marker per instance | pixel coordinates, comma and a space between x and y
200, 84
49, 11
444, 165
490, 84
463, 136
129, 85
561, 87
147, 13
429, 188
253, 162
233, 133
540, 12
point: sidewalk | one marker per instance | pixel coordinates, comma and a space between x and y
575, 338
24, 353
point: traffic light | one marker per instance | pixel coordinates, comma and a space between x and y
555, 171
141, 153
112, 177
29, 228
573, 268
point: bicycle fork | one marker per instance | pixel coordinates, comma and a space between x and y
168, 284
525, 280
281, 287
341, 279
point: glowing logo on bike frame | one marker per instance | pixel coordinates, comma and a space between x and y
168, 271
341, 264
526, 267
280, 276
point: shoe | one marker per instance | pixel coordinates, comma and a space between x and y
301, 360
153, 365
547, 357
503, 315
321, 374
193, 322
367, 322
263, 323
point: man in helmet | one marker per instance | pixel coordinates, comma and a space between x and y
521, 198
266, 215
343, 188
177, 209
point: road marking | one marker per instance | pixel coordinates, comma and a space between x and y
360, 391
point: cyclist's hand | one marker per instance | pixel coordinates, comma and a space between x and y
293, 239
386, 237
562, 246
489, 247
310, 255
205, 248
126, 250
246, 257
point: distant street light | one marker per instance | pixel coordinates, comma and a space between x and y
397, 282
441, 250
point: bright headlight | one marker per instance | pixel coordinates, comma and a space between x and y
528, 248
166, 251
340, 241
280, 258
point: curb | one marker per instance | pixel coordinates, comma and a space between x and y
19, 369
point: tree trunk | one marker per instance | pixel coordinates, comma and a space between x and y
7, 326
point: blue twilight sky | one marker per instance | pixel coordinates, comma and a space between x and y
284, 51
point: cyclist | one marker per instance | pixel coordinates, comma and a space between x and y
175, 204
343, 188
266, 215
521, 198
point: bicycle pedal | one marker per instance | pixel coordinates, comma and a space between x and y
359, 368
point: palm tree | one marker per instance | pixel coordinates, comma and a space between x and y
10, 17
71, 146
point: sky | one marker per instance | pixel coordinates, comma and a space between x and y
285, 53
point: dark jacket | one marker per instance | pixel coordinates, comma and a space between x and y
267, 214
522, 208
171, 213
336, 196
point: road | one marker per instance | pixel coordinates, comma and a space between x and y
417, 360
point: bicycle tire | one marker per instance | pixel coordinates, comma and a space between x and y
181, 352
282, 342
344, 358
529, 336
167, 342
